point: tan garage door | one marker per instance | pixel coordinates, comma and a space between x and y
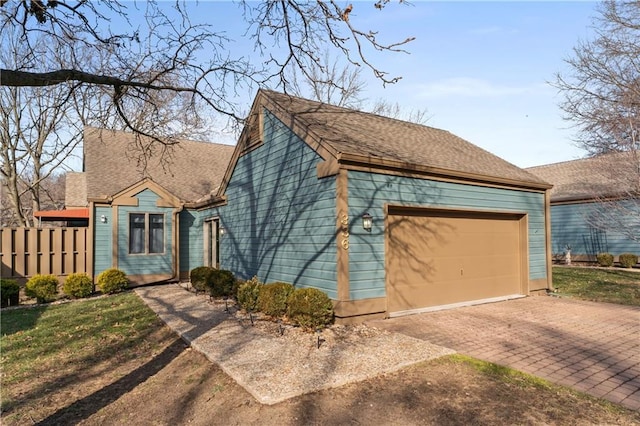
437, 258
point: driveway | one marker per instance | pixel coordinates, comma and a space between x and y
591, 347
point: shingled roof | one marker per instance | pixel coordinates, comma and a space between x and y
375, 139
604, 176
190, 170
75, 191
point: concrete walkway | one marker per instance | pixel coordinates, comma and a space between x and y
275, 364
591, 347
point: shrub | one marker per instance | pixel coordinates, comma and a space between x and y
628, 260
112, 281
43, 287
273, 298
605, 259
248, 294
220, 283
310, 308
199, 277
9, 292
78, 285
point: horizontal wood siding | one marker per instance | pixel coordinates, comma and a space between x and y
144, 264
369, 192
191, 239
280, 218
570, 226
103, 242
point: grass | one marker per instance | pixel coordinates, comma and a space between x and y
504, 374
526, 381
40, 345
598, 285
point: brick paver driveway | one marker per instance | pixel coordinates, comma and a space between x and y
591, 347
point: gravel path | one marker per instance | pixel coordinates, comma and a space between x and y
275, 362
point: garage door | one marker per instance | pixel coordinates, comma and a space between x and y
437, 258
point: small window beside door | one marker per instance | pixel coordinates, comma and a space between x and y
146, 233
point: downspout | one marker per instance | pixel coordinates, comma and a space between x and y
176, 243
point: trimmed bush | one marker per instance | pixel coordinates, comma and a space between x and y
248, 294
9, 292
220, 283
112, 281
628, 260
78, 285
605, 259
199, 277
43, 288
273, 298
310, 308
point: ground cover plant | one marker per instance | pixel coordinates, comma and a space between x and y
598, 285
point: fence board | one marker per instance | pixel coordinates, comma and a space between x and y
25, 252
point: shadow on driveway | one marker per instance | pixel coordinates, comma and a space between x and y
591, 347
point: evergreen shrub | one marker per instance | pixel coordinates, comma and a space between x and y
248, 293
605, 259
199, 277
78, 285
43, 288
112, 281
9, 292
628, 260
310, 308
273, 298
220, 283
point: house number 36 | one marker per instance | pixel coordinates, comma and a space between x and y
344, 231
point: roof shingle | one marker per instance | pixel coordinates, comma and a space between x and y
190, 170
359, 133
608, 175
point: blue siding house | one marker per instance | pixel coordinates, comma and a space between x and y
595, 205
141, 195
386, 217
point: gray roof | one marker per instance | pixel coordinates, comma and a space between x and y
604, 176
348, 131
190, 170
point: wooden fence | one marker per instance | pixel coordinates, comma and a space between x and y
29, 251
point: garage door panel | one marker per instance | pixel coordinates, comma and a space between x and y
443, 260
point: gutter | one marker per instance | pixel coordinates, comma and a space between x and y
402, 167
176, 242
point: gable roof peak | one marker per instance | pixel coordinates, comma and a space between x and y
346, 131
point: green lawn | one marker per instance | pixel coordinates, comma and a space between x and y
610, 285
43, 346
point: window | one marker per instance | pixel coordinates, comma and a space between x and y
146, 233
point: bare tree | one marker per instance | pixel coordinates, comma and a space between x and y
383, 107
38, 133
602, 90
602, 98
332, 83
167, 55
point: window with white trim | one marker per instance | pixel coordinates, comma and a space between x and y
146, 233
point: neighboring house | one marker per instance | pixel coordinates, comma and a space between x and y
139, 195
76, 210
452, 224
595, 206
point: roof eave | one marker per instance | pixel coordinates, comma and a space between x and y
401, 167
